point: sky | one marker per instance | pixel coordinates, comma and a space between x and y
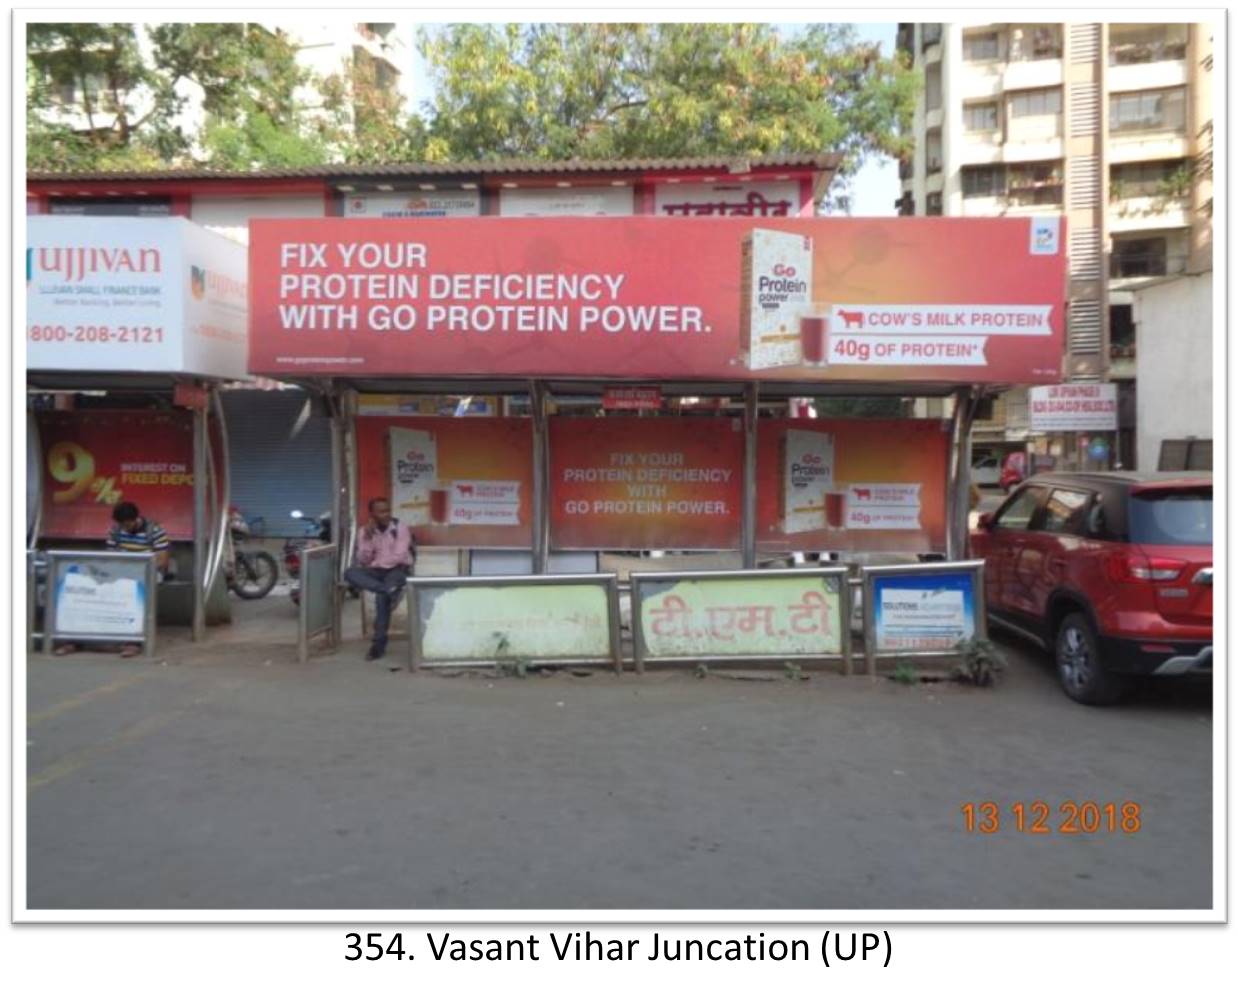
875, 187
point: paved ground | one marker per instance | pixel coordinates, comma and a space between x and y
232, 777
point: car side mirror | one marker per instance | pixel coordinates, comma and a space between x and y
986, 521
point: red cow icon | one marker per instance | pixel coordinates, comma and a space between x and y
465, 489
862, 494
853, 319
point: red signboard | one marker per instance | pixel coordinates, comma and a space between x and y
632, 398
941, 300
852, 484
455, 481
645, 483
94, 459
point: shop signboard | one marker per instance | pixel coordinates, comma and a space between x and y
414, 204
617, 398
852, 484
750, 614
1074, 408
565, 202
141, 295
93, 459
630, 483
770, 199
460, 482
660, 298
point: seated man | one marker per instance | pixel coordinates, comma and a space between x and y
131, 532
384, 561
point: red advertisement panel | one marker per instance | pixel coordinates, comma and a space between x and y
93, 459
945, 300
631, 483
852, 484
455, 481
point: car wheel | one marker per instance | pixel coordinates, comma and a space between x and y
1079, 666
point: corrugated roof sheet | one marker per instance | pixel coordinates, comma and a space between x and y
341, 171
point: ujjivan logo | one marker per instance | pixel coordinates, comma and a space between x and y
197, 282
76, 263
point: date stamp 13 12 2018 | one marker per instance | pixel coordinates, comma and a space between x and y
1039, 817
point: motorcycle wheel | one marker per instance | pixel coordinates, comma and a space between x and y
255, 574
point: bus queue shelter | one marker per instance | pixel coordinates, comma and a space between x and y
638, 311
132, 326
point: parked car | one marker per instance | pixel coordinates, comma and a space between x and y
1014, 470
1111, 572
986, 472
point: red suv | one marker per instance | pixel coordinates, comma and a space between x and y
1111, 571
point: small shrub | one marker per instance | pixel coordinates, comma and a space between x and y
906, 674
979, 664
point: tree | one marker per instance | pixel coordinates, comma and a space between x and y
568, 91
104, 96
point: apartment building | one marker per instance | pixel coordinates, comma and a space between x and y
1108, 125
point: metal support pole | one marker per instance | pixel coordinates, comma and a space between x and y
338, 525
749, 512
959, 487
541, 478
200, 485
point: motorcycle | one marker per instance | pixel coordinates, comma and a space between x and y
251, 574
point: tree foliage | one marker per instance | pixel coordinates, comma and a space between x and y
564, 91
111, 95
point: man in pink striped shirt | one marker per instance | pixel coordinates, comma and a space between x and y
384, 562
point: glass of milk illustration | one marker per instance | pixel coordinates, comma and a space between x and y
414, 476
777, 289
808, 479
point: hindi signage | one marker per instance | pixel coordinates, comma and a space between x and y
735, 298
1074, 408
741, 614
776, 199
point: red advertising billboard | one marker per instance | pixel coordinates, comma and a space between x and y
852, 484
914, 300
94, 459
630, 483
455, 481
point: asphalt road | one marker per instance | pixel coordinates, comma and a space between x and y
231, 777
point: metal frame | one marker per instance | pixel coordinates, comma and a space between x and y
610, 582
303, 631
844, 613
32, 600
54, 560
869, 574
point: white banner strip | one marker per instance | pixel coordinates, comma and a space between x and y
939, 319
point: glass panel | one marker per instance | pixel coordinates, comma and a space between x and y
980, 117
1018, 514
1064, 511
1172, 518
980, 48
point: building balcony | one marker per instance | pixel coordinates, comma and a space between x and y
980, 149
1032, 150
979, 79
1146, 146
1031, 73
1148, 76
1133, 214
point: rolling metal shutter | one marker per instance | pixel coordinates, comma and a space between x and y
274, 471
